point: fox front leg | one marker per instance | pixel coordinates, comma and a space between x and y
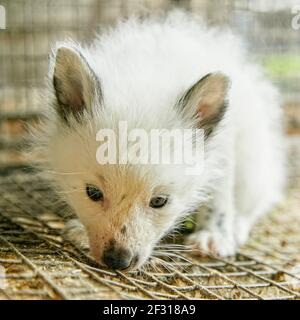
215, 225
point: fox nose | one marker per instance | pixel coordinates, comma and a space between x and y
117, 258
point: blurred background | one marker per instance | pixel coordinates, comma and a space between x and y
270, 28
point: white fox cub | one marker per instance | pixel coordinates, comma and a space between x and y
162, 72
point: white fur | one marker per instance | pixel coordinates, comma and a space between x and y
144, 67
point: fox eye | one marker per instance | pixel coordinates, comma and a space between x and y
94, 193
158, 202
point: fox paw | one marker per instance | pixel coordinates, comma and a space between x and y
213, 242
242, 230
76, 233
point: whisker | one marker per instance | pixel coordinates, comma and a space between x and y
162, 263
172, 255
65, 173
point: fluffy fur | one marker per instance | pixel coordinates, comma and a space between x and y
138, 72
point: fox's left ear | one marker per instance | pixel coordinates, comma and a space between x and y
75, 84
205, 101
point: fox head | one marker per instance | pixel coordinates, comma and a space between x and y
125, 208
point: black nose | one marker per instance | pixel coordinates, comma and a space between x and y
117, 258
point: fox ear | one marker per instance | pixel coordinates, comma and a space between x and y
205, 101
75, 84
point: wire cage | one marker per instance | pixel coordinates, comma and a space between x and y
36, 262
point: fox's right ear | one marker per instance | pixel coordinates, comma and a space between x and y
75, 85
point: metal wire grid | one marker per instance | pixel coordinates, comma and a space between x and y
39, 264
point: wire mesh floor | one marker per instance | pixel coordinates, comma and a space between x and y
40, 264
